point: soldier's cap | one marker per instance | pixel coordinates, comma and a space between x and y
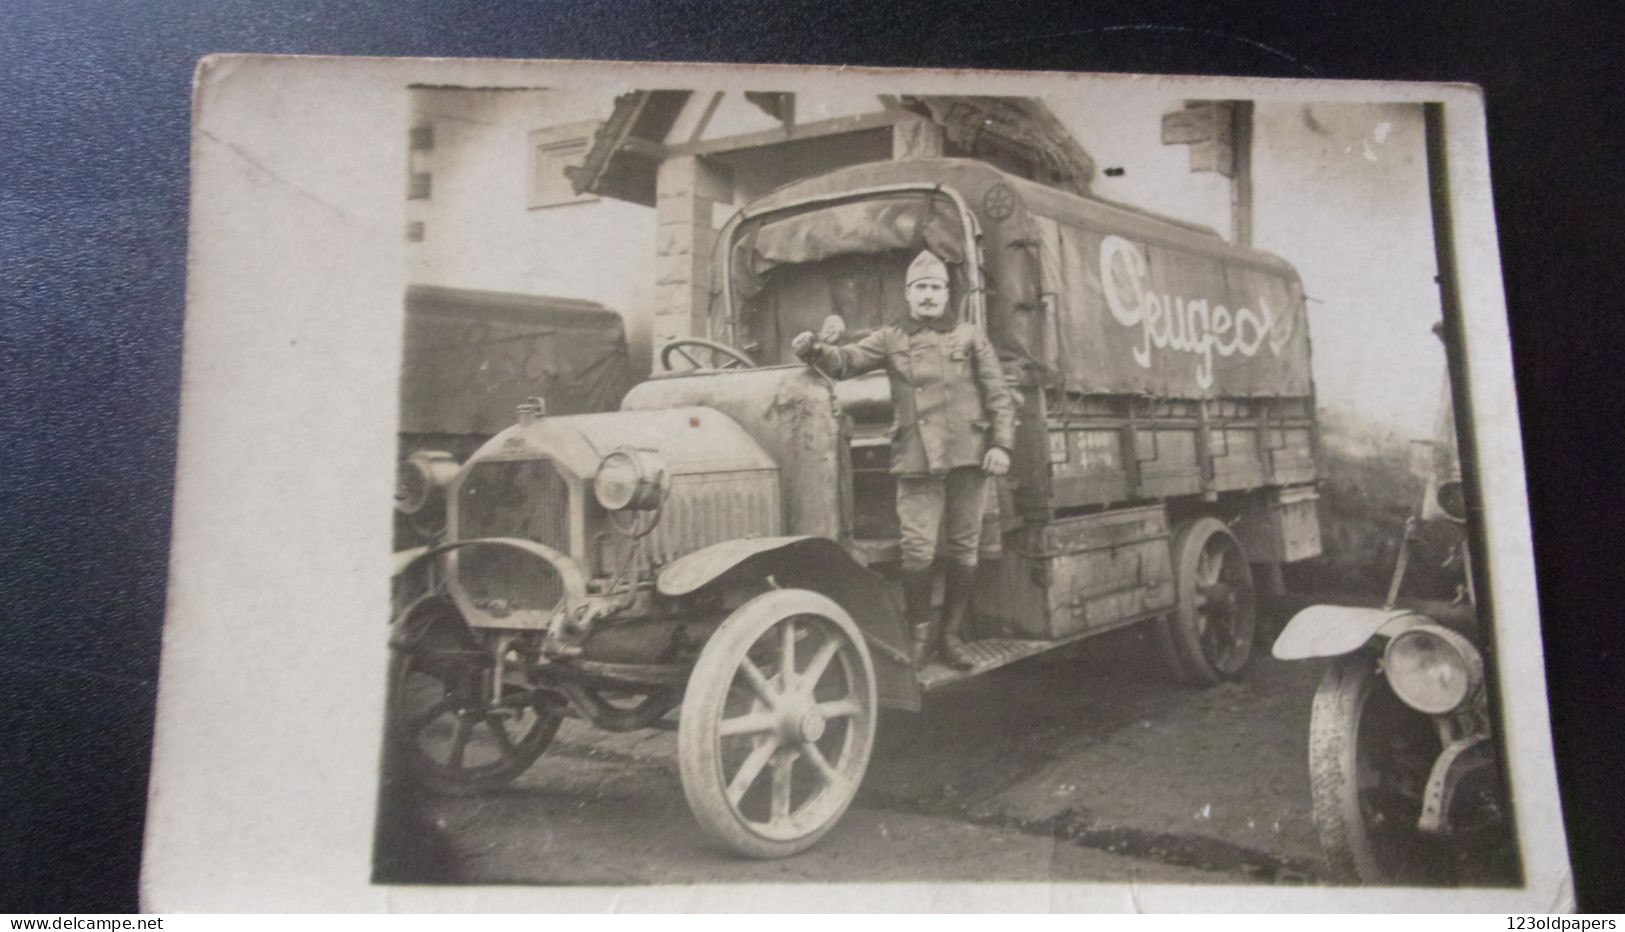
926, 265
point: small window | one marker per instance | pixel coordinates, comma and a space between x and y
419, 161
551, 151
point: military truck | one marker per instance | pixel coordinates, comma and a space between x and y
468, 355
718, 556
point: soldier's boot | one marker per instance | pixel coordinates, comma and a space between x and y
957, 591
917, 612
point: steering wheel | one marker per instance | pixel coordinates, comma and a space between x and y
730, 357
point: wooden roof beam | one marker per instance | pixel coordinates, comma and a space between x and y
773, 137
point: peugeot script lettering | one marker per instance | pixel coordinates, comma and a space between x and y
1180, 323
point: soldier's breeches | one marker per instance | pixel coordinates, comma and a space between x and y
946, 507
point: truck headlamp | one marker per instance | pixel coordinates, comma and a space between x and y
1452, 500
630, 479
1433, 669
421, 480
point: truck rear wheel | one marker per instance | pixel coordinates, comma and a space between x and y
1209, 637
777, 725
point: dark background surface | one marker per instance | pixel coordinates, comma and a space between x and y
94, 123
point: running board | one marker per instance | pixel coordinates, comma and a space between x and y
987, 654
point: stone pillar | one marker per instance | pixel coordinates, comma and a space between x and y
689, 190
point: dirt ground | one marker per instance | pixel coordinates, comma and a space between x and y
1088, 765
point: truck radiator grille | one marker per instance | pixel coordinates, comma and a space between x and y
515, 498
527, 499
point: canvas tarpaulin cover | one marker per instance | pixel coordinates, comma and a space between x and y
471, 357
1131, 317
873, 225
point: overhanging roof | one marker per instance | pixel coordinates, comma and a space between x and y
627, 150
1023, 126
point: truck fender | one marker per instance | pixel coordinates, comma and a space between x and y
1335, 630
692, 572
823, 566
406, 559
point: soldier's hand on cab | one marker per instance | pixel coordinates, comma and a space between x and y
996, 462
805, 346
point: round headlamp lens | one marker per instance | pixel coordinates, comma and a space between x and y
630, 478
412, 488
1432, 670
1452, 499
617, 481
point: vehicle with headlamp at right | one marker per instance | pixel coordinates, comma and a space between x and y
1404, 772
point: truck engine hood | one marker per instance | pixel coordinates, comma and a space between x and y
690, 440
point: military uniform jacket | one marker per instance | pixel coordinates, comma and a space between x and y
949, 397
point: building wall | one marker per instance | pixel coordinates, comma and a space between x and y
1342, 193
479, 230
1153, 176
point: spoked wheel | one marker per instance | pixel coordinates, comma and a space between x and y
1369, 759
1210, 635
446, 733
777, 723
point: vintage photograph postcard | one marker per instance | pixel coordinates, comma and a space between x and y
614, 486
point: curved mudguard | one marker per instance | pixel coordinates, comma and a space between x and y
1334, 630
694, 571
406, 559
822, 566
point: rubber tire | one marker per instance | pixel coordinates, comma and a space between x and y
1177, 634
1161, 631
401, 749
698, 759
1351, 851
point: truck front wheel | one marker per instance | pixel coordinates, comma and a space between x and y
1369, 757
445, 732
778, 722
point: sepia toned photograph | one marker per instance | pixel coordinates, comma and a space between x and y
805, 478
879, 486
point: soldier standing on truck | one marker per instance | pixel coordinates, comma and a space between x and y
954, 426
